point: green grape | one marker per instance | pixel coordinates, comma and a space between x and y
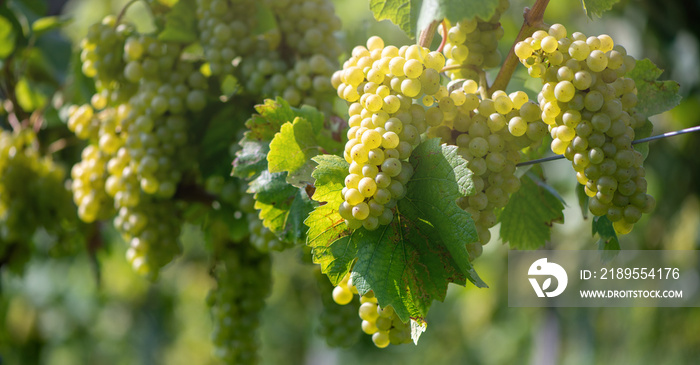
243, 281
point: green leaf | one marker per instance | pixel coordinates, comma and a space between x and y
272, 114
527, 220
291, 150
643, 132
282, 206
582, 200
410, 262
7, 37
654, 97
609, 245
251, 160
403, 13
47, 24
454, 11
180, 23
597, 7
29, 97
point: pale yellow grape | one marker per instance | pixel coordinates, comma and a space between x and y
396, 66
374, 43
371, 139
359, 153
367, 186
517, 126
503, 104
381, 339
549, 44
369, 327
523, 50
390, 140
434, 60
579, 50
606, 43
360, 211
597, 61
557, 31
564, 91
392, 104
559, 146
353, 196
413, 68
470, 87
375, 156
352, 180
342, 295
411, 87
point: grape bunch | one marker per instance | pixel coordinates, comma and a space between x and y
33, 196
382, 324
381, 83
337, 322
243, 281
489, 134
472, 44
296, 59
588, 104
225, 31
137, 126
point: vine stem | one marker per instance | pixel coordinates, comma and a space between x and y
637, 141
532, 21
124, 9
426, 35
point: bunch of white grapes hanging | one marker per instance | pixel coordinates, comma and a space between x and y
380, 83
588, 104
137, 128
471, 45
382, 324
489, 134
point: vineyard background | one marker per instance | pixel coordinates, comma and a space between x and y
57, 313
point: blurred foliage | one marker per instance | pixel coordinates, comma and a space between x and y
95, 310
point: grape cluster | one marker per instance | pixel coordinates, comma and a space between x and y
32, 196
489, 134
472, 44
243, 281
382, 324
588, 104
225, 31
137, 125
337, 322
296, 59
381, 83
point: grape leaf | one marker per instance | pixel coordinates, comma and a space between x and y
281, 205
527, 219
597, 7
583, 200
412, 16
454, 11
410, 262
7, 37
180, 23
654, 97
262, 127
609, 245
291, 150
403, 13
643, 132
47, 24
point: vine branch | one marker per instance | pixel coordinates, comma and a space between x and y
637, 141
532, 21
426, 35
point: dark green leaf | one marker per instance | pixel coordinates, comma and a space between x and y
598, 7
608, 244
180, 23
654, 97
527, 220
251, 159
7, 37
643, 132
582, 200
